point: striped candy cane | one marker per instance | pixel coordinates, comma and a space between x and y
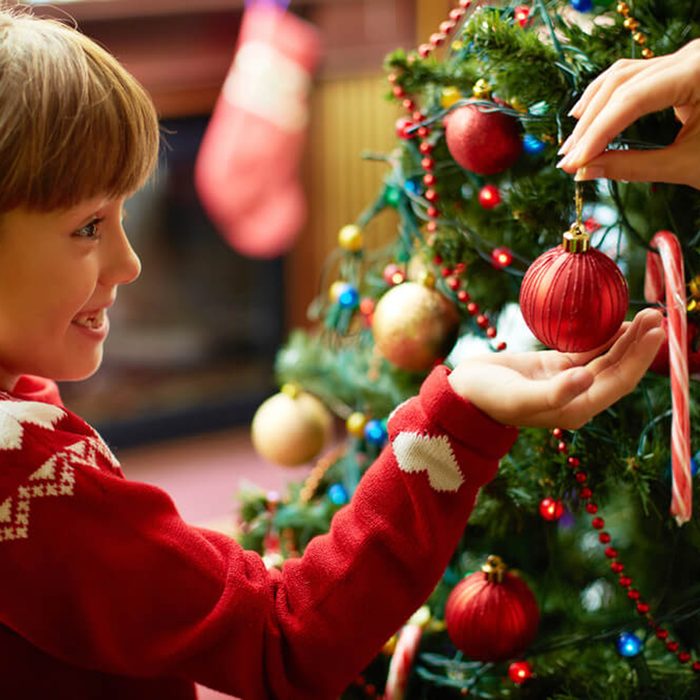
664, 271
402, 661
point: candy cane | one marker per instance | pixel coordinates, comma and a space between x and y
402, 662
665, 270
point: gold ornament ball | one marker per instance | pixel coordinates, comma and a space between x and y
414, 326
355, 424
449, 96
350, 238
289, 429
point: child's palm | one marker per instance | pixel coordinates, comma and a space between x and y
553, 389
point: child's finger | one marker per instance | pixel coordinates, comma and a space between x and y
608, 387
643, 322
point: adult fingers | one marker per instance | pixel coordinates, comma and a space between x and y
598, 94
615, 109
664, 165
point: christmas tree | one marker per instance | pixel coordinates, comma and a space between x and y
602, 595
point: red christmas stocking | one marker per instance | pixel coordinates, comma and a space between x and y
246, 172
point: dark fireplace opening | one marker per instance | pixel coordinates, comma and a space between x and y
193, 340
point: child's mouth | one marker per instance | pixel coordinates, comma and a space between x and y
93, 319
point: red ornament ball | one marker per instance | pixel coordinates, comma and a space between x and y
404, 126
519, 671
521, 15
491, 615
489, 196
483, 142
661, 363
501, 257
551, 509
393, 274
573, 302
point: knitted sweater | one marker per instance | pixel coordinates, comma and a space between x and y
106, 593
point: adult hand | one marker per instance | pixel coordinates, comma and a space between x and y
626, 91
553, 389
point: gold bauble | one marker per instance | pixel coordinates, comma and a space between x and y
291, 429
449, 96
350, 238
355, 424
414, 326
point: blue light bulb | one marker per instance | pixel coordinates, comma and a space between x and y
629, 645
582, 5
349, 298
338, 495
413, 187
375, 432
532, 145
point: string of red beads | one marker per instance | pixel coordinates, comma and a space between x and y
413, 126
616, 566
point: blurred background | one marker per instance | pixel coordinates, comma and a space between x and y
193, 341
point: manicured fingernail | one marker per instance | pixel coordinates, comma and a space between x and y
591, 172
566, 145
564, 161
573, 110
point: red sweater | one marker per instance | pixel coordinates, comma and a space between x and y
106, 593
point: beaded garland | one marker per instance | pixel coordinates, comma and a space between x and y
585, 493
423, 130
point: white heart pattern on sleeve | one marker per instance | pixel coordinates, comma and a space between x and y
421, 453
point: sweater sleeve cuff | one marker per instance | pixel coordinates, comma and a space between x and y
462, 419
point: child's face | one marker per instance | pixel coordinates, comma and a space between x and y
59, 273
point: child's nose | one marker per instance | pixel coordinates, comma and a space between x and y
122, 265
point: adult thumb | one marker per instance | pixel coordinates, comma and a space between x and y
659, 165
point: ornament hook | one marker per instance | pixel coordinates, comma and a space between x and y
576, 239
494, 568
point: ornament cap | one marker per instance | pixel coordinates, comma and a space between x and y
481, 90
576, 240
494, 568
291, 389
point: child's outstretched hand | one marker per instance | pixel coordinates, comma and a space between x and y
553, 389
626, 91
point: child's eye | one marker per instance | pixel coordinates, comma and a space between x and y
90, 231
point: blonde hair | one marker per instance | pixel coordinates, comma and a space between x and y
74, 124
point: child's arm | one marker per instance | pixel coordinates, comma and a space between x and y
109, 577
627, 90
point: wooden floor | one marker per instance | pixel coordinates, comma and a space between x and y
203, 475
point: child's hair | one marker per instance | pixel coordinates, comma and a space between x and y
74, 124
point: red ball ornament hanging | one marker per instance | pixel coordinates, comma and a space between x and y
573, 297
489, 196
551, 509
491, 615
484, 142
519, 672
501, 257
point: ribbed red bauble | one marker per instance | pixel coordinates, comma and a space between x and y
484, 142
492, 615
573, 297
